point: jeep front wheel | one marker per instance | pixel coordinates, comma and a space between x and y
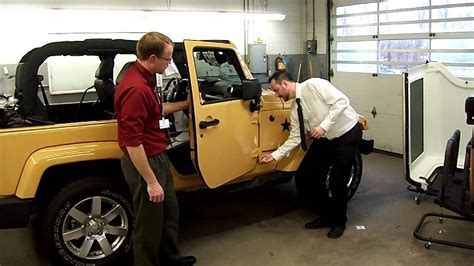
305, 182
89, 221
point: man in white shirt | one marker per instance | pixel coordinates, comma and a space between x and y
333, 123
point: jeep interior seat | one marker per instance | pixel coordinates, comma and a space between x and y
104, 84
122, 72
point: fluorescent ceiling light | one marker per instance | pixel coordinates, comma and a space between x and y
172, 14
151, 13
57, 21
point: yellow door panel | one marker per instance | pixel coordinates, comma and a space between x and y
225, 132
275, 126
274, 121
226, 150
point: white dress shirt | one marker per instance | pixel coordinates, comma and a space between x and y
323, 105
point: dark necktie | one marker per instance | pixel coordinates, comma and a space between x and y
301, 122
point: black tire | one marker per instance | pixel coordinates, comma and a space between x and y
77, 234
304, 182
356, 176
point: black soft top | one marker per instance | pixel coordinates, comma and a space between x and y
26, 81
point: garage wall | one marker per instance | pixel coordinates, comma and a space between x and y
47, 24
49, 21
319, 31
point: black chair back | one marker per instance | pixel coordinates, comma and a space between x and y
104, 84
450, 161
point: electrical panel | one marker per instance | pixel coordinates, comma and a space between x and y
258, 58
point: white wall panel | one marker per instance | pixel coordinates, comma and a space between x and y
286, 37
384, 92
285, 43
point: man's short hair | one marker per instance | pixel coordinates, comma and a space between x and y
152, 43
279, 76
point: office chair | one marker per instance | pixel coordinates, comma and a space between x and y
452, 194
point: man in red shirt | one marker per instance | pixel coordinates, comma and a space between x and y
143, 139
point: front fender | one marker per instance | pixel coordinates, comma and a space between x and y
45, 158
291, 162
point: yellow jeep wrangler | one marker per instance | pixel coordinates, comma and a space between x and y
60, 153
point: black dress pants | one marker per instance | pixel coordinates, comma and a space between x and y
331, 169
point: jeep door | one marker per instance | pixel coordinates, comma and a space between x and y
223, 131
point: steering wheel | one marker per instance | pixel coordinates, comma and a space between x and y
176, 90
169, 90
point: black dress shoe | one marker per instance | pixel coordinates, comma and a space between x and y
336, 231
318, 223
185, 261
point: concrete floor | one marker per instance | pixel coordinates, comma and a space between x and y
265, 226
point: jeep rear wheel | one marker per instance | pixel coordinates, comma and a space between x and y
305, 183
89, 221
356, 176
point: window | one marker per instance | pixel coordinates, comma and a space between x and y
219, 75
390, 36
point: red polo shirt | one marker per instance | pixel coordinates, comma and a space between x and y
138, 112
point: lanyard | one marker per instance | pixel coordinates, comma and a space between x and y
159, 99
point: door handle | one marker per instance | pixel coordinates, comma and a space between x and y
206, 124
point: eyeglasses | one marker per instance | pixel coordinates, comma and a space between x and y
169, 60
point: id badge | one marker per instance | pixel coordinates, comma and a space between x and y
164, 123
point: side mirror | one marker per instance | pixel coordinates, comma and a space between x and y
252, 90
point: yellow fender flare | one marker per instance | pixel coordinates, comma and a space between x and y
43, 159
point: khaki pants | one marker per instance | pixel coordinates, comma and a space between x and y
155, 233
